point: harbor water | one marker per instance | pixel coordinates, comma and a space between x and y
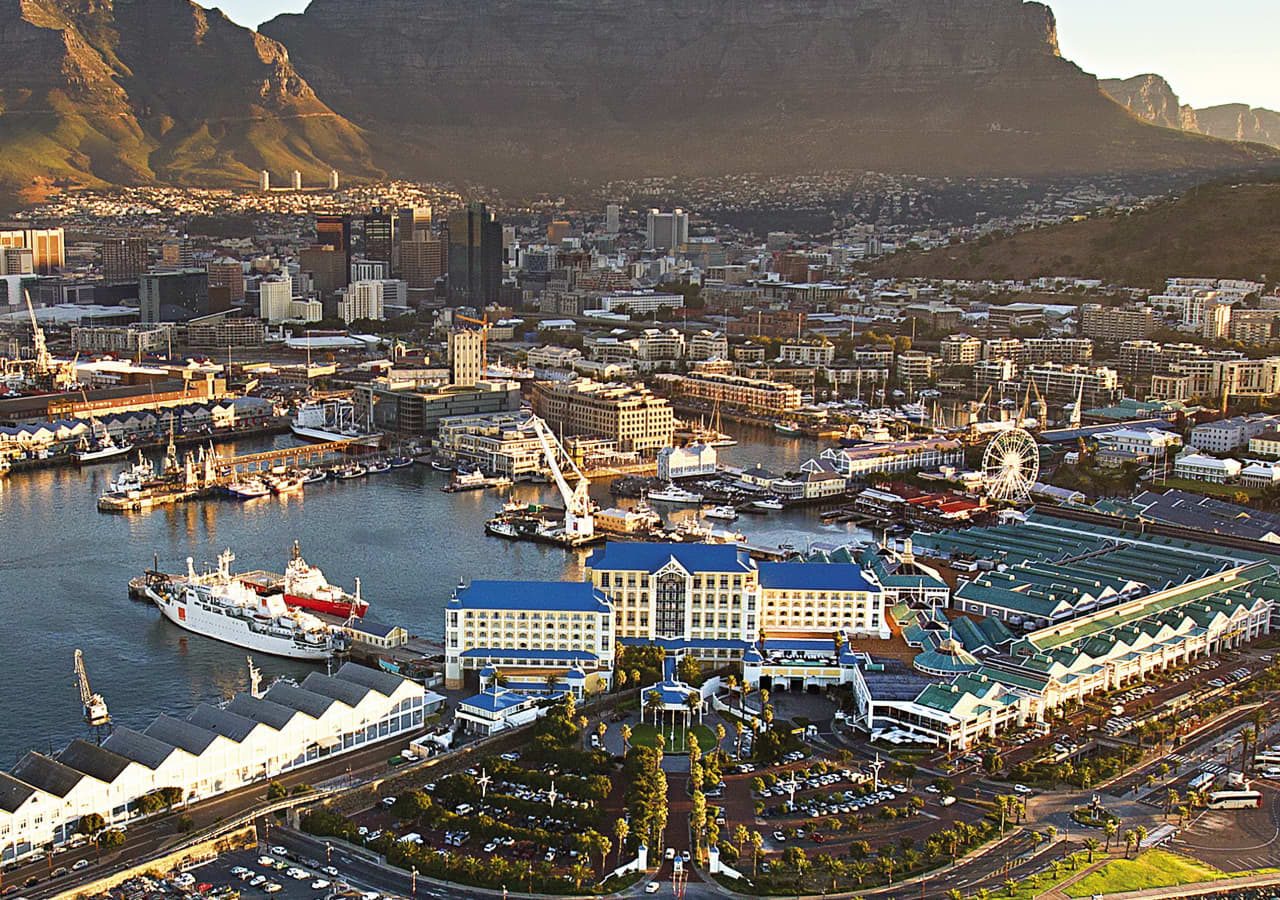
65, 567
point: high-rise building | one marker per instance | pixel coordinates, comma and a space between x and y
412, 221
296, 180
379, 235
47, 246
17, 261
328, 267
264, 181
475, 256
123, 258
362, 300
175, 296
558, 230
335, 230
275, 299
178, 252
333, 179
667, 231
612, 218
466, 357
422, 261
228, 273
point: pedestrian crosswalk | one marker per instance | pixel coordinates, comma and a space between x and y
1178, 759
1214, 768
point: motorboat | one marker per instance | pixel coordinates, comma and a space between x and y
314, 476
248, 489
379, 466
673, 493
770, 503
723, 513
401, 462
346, 473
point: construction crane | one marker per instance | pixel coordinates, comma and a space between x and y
579, 523
47, 372
485, 325
95, 708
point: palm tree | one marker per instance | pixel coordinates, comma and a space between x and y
694, 702
1170, 801
653, 703
955, 894
579, 873
981, 894
740, 729
1130, 839
1091, 844
740, 837
757, 843
1110, 828
620, 832
1010, 885
625, 731
858, 870
885, 864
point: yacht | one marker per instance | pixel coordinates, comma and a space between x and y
675, 494
248, 489
723, 513
771, 503
346, 473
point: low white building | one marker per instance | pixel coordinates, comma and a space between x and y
694, 461
1152, 443
1197, 467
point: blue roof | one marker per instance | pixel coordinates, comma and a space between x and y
683, 644
377, 629
491, 701
803, 645
540, 596
642, 557
800, 576
502, 653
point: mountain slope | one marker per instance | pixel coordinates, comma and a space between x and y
1237, 122
1225, 230
1149, 97
135, 91
537, 92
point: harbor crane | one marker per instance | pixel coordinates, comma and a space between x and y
95, 708
579, 523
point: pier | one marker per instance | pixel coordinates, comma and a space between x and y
228, 468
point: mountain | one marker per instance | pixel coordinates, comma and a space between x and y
1149, 97
1237, 122
527, 93
1224, 229
137, 91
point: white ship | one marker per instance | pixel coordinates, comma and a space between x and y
219, 606
330, 420
675, 494
101, 448
724, 513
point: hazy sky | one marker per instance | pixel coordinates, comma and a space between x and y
1217, 52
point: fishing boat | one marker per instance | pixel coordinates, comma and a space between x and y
401, 462
379, 466
788, 428
102, 448
346, 473
248, 489
314, 476
441, 466
285, 484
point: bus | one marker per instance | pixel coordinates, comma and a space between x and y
1235, 800
1203, 780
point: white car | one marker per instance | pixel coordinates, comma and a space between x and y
80, 864
671, 853
272, 887
1021, 789
652, 887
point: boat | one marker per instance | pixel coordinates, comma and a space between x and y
133, 478
379, 467
5, 466
346, 473
102, 448
466, 481
285, 484
789, 428
441, 465
673, 493
401, 462
314, 476
330, 420
249, 489
772, 503
723, 513
219, 606
304, 586
501, 528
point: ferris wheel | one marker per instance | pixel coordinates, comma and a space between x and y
1010, 466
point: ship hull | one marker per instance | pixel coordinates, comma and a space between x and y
232, 631
343, 609
320, 436
91, 457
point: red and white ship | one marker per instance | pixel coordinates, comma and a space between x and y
304, 586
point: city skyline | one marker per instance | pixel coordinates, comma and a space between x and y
1108, 40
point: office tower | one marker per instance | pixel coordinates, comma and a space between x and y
46, 246
123, 258
370, 270
173, 296
362, 300
297, 180
335, 230
475, 256
327, 266
612, 218
333, 179
228, 273
275, 299
17, 261
264, 181
667, 231
177, 253
466, 357
413, 220
557, 231
421, 261
379, 235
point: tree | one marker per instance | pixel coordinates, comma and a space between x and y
1171, 800
620, 831
625, 731
276, 791
579, 873
757, 843
955, 894
1110, 828
1091, 845
859, 870
112, 838
886, 865
653, 704
739, 729
620, 680
694, 704
689, 670
797, 861
90, 824
1010, 885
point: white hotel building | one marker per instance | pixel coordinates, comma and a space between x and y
214, 750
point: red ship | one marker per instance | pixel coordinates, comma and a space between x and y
304, 586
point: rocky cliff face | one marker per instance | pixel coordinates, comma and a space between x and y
131, 91
1149, 97
1237, 122
513, 90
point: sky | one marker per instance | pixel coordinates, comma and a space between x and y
1216, 52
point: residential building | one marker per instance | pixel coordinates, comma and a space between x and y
808, 353
708, 345
124, 258
913, 370
275, 299
1113, 324
1265, 444
637, 302
733, 391
960, 350
1197, 467
362, 300
1003, 348
228, 273
1230, 435
497, 444
1096, 385
1061, 350
633, 418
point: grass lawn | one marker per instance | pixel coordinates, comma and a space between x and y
645, 735
1153, 869
1205, 487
